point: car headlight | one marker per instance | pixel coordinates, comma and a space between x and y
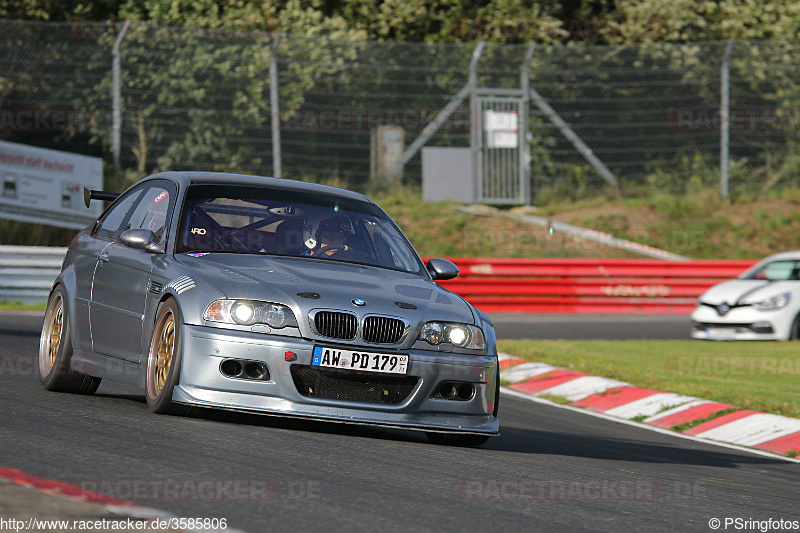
459, 335
250, 312
776, 302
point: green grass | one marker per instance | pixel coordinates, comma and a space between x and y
19, 306
698, 224
441, 230
554, 398
754, 375
680, 428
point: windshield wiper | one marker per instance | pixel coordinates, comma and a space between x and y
224, 252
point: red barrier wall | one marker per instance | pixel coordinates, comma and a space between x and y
588, 285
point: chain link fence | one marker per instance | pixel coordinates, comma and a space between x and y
654, 117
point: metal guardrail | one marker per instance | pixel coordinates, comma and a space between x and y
494, 285
589, 285
28, 272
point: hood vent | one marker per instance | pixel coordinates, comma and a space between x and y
309, 295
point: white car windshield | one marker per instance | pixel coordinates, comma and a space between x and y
783, 270
262, 220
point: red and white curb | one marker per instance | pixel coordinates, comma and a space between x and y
112, 505
657, 409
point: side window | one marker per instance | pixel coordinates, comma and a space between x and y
110, 226
151, 212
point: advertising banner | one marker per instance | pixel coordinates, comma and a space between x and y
46, 186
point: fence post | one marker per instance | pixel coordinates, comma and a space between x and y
525, 152
475, 121
274, 106
724, 118
117, 98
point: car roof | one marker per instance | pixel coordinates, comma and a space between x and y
223, 178
792, 254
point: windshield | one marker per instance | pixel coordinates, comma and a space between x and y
783, 270
261, 220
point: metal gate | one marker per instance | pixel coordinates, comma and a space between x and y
500, 149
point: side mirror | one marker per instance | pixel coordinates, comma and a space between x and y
442, 269
141, 239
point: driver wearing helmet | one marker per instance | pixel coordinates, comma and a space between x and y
331, 234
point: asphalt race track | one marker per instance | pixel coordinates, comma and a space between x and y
579, 327
551, 470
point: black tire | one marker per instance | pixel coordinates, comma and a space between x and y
55, 351
164, 359
454, 439
497, 393
794, 333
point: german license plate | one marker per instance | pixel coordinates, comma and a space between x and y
361, 361
721, 334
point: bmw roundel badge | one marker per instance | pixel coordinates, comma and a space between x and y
358, 302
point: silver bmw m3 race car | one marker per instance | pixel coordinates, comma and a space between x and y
268, 296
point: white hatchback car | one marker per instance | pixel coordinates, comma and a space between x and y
761, 304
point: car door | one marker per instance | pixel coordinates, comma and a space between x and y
83, 257
122, 275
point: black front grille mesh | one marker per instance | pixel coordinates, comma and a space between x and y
336, 325
383, 330
343, 385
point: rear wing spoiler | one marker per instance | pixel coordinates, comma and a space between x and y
88, 196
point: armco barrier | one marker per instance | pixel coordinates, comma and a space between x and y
493, 285
28, 272
588, 285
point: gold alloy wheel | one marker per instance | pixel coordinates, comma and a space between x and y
164, 353
53, 336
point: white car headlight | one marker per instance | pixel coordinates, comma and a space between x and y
250, 312
243, 312
459, 335
776, 302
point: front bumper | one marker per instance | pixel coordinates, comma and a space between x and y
743, 323
202, 383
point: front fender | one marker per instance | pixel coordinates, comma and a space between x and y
488, 331
190, 291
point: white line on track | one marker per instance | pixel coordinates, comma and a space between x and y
657, 429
